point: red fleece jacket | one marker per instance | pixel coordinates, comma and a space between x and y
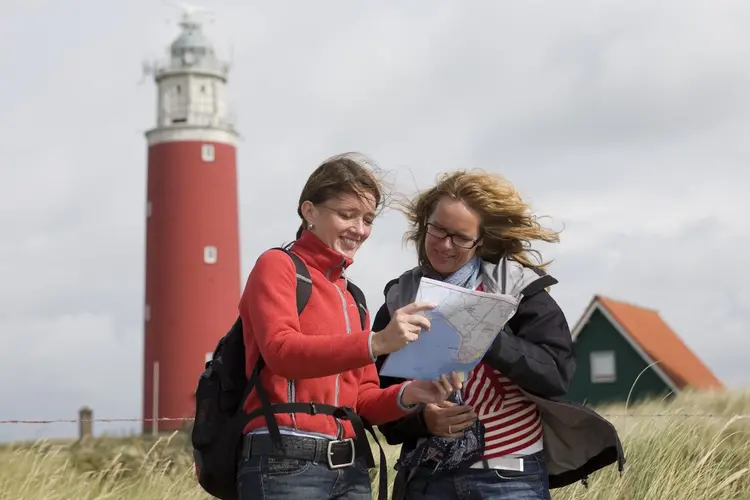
320, 356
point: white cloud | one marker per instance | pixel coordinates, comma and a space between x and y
53, 367
625, 122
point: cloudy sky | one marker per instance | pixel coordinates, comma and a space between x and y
626, 122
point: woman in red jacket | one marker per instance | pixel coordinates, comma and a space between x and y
322, 355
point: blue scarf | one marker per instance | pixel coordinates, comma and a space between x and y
466, 276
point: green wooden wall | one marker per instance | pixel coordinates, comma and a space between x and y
600, 335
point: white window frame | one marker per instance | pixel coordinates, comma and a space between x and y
210, 254
208, 152
609, 360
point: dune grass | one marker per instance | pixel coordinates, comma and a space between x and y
695, 447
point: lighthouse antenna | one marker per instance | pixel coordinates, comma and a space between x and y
191, 14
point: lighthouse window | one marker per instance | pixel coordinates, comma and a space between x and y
208, 153
209, 356
210, 255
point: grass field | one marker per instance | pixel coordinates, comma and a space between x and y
697, 448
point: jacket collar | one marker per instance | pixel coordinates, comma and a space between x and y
320, 256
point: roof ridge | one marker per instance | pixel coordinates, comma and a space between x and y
600, 297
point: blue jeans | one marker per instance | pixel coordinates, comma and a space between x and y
531, 484
262, 477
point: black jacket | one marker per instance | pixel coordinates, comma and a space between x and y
535, 351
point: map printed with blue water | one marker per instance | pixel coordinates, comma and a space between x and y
462, 327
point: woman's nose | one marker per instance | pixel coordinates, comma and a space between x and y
446, 243
359, 227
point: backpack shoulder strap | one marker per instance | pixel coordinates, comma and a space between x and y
359, 299
304, 282
303, 290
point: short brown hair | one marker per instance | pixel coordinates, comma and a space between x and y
348, 173
507, 225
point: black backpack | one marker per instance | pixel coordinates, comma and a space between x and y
223, 388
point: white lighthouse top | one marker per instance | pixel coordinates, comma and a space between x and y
191, 88
192, 50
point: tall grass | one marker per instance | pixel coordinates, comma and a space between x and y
696, 448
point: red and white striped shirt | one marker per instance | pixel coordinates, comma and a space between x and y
512, 422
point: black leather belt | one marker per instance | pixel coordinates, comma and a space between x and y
334, 453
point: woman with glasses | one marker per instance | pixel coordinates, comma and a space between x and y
505, 436
323, 357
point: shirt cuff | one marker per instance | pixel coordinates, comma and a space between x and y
369, 346
400, 401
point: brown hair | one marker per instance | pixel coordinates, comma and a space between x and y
507, 225
348, 173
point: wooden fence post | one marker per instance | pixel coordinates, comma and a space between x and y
85, 424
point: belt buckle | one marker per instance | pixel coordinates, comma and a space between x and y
330, 454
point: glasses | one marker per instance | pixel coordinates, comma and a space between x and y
456, 239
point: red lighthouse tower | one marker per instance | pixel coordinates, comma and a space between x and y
192, 240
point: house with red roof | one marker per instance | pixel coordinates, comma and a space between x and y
623, 349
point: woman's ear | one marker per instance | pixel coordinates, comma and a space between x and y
308, 212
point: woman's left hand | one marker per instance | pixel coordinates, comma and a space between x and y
431, 391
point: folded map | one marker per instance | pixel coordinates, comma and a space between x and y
462, 327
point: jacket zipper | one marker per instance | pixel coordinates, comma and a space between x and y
339, 426
291, 396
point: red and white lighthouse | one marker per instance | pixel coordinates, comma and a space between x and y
192, 241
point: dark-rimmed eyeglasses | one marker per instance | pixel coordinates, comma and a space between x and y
458, 240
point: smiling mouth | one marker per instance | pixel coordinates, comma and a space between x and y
348, 242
